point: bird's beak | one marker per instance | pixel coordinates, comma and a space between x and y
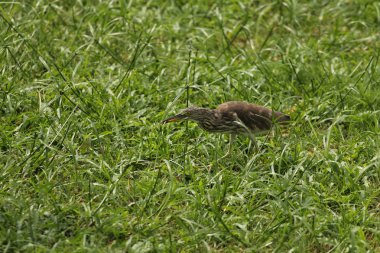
175, 118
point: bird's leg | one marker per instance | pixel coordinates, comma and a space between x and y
249, 132
232, 139
253, 144
253, 139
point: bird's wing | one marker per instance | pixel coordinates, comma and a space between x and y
256, 121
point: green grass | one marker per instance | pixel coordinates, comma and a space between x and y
86, 166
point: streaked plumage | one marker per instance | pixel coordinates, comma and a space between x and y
233, 117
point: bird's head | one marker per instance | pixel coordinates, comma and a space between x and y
191, 113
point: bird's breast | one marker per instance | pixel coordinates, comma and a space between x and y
221, 126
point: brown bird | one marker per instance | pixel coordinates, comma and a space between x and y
234, 117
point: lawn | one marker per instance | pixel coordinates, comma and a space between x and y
86, 166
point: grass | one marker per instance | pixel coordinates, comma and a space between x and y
87, 167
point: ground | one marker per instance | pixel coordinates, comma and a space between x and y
86, 166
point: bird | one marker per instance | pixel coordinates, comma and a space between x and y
233, 117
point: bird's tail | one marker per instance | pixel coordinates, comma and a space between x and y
281, 117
